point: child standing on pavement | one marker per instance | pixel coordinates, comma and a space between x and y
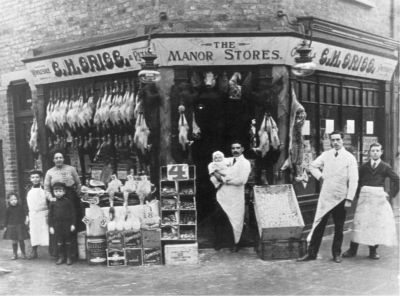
62, 216
16, 220
38, 214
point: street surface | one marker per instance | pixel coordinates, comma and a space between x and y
218, 273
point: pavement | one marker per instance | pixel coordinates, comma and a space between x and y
218, 273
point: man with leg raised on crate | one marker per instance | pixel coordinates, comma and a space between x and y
230, 197
337, 170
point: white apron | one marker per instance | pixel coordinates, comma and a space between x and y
374, 222
231, 195
231, 199
38, 215
332, 193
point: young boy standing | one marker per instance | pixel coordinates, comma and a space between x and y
374, 222
38, 214
62, 217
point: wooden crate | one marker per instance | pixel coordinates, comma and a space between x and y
277, 212
116, 257
281, 249
134, 256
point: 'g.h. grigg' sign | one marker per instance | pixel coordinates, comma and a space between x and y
99, 62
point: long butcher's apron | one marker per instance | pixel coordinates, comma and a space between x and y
374, 222
231, 199
39, 229
333, 192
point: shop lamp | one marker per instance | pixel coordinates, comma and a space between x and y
304, 65
149, 73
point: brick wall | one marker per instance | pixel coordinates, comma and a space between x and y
30, 24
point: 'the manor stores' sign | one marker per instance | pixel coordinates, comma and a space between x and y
210, 51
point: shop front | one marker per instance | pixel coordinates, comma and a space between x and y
214, 88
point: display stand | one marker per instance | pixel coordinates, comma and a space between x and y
178, 205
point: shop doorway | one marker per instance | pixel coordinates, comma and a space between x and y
223, 116
21, 95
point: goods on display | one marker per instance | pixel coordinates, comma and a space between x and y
282, 249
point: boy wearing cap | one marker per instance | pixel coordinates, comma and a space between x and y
62, 216
38, 214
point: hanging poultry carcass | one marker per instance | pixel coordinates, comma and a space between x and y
49, 121
142, 133
275, 142
196, 131
88, 109
263, 137
97, 113
33, 140
235, 90
130, 105
296, 141
183, 128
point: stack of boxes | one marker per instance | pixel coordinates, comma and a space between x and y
133, 248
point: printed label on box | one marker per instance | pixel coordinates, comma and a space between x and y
115, 240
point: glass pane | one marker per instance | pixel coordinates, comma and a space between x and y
312, 92
357, 97
304, 92
328, 94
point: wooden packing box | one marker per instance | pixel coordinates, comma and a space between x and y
180, 254
277, 212
151, 238
134, 256
281, 249
116, 257
115, 239
132, 239
152, 256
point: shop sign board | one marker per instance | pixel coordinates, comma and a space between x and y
116, 59
210, 51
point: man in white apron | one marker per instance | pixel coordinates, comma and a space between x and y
230, 195
374, 222
337, 169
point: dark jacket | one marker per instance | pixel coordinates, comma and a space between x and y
62, 210
376, 177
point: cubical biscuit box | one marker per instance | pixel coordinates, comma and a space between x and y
179, 254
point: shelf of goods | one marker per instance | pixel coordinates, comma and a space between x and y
178, 208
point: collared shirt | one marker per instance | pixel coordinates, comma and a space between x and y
377, 162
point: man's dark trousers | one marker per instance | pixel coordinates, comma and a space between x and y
339, 216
